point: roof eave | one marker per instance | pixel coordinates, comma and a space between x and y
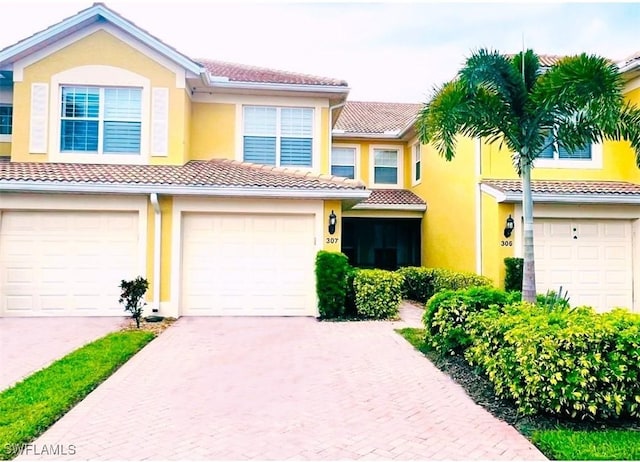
403, 207
575, 198
377, 136
219, 191
237, 85
99, 10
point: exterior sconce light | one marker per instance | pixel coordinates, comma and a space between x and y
508, 227
332, 222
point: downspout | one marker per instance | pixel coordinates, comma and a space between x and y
478, 207
157, 246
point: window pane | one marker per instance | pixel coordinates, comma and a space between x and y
260, 121
6, 120
296, 122
80, 102
122, 137
385, 175
123, 103
417, 171
260, 150
343, 170
295, 151
343, 156
385, 158
79, 136
580, 153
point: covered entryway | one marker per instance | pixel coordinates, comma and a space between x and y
248, 264
66, 263
591, 258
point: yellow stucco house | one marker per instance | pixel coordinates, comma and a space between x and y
219, 182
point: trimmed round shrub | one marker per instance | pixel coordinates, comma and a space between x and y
421, 283
378, 293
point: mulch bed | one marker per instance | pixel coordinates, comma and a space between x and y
156, 327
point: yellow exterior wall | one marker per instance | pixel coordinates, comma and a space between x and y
99, 48
332, 242
213, 131
449, 188
325, 141
495, 247
166, 211
5, 149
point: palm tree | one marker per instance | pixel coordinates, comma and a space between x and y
516, 102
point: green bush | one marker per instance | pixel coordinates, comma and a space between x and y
513, 275
422, 283
445, 315
567, 362
378, 293
331, 283
131, 293
350, 302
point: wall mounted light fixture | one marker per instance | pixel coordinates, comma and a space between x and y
332, 222
508, 227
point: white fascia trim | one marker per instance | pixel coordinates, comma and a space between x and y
51, 187
280, 87
381, 136
629, 66
403, 207
496, 193
574, 198
87, 15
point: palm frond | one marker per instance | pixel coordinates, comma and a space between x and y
528, 65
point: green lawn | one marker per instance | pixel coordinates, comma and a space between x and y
561, 444
31, 406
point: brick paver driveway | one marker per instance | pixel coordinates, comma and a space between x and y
29, 344
281, 388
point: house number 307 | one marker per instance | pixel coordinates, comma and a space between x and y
332, 240
506, 243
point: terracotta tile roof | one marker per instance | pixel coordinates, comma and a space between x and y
633, 57
245, 73
598, 188
391, 197
213, 173
378, 118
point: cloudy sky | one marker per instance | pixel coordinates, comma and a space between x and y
386, 51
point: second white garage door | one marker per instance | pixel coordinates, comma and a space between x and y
592, 259
248, 264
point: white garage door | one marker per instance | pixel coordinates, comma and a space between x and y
65, 263
592, 259
248, 265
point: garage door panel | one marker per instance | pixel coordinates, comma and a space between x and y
66, 262
261, 264
593, 263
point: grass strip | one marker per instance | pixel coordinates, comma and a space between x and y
31, 406
589, 445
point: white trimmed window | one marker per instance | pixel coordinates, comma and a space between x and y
6, 119
555, 155
416, 164
386, 171
100, 120
278, 136
343, 162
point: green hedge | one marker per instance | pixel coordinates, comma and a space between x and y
378, 293
513, 274
332, 269
421, 283
566, 362
446, 313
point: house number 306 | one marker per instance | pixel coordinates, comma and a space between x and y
506, 243
332, 240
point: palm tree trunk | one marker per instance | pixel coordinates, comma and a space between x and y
529, 269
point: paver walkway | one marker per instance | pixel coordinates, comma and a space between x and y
281, 388
29, 344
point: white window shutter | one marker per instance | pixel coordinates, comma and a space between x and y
160, 122
39, 118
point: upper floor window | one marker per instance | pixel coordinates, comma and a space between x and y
6, 119
555, 155
95, 120
278, 136
416, 163
385, 167
343, 162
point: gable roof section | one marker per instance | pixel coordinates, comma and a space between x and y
374, 119
245, 73
95, 13
595, 192
214, 177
